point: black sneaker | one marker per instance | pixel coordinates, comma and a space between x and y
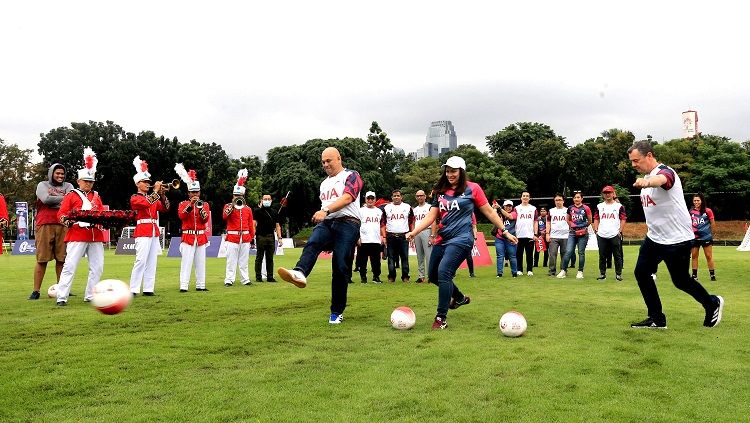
649, 323
183, 290
376, 279
363, 280
61, 303
148, 294
272, 280
34, 295
601, 277
201, 289
713, 278
713, 315
471, 275
227, 284
499, 275
456, 304
258, 279
619, 278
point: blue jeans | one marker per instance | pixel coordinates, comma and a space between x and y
503, 248
339, 236
574, 241
444, 262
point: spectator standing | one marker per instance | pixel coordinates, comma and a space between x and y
267, 224
423, 240
50, 233
526, 231
704, 228
579, 218
398, 219
609, 222
504, 248
541, 239
369, 243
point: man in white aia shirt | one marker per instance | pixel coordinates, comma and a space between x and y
336, 229
609, 222
423, 240
398, 219
369, 242
668, 239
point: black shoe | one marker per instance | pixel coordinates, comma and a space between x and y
499, 275
201, 289
134, 294
713, 315
34, 295
456, 304
61, 303
248, 283
649, 323
71, 295
619, 278
601, 277
227, 284
148, 294
377, 279
363, 280
183, 290
86, 300
471, 275
272, 280
258, 279
713, 278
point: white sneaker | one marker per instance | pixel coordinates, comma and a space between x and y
335, 319
562, 275
294, 277
529, 273
519, 273
579, 275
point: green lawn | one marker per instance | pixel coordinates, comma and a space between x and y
267, 353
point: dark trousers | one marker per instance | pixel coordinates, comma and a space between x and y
338, 236
607, 248
266, 247
525, 245
369, 251
470, 264
444, 262
545, 257
398, 250
677, 259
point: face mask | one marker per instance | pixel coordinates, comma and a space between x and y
266, 203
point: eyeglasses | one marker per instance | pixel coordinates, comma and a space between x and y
421, 195
370, 198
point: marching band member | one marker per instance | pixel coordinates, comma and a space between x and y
82, 238
147, 207
194, 214
3, 220
240, 232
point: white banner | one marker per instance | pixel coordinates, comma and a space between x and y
690, 123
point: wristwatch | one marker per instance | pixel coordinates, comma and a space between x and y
327, 210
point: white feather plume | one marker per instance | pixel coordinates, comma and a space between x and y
137, 164
89, 160
183, 174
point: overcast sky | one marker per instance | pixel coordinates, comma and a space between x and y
251, 76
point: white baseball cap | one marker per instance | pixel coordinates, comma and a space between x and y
370, 194
507, 203
456, 163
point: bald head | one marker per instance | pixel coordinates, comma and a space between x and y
331, 160
421, 198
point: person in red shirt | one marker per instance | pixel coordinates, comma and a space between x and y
3, 219
82, 238
194, 214
240, 232
49, 233
147, 207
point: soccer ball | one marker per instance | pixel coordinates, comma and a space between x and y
512, 324
52, 291
403, 318
111, 296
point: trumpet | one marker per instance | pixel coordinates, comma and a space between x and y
199, 204
174, 185
238, 202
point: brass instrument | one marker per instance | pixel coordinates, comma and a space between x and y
199, 204
174, 185
238, 202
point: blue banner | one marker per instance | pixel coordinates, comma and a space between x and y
24, 247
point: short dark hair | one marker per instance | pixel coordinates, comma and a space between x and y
644, 147
396, 191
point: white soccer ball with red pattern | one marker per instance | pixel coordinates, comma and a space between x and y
512, 324
403, 318
52, 291
111, 296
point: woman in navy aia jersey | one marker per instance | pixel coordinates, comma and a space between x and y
579, 219
454, 199
703, 228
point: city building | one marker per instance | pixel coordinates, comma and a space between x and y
441, 137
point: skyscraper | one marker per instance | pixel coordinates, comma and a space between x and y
443, 135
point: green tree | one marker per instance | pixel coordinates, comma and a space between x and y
17, 174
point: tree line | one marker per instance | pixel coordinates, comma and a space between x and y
522, 156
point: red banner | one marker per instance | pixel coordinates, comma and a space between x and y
480, 253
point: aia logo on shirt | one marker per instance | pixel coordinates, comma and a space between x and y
369, 219
699, 221
647, 201
578, 217
448, 205
400, 216
608, 216
558, 219
420, 216
525, 216
331, 194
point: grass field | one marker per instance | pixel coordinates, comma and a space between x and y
267, 353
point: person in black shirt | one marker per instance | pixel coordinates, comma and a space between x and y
266, 222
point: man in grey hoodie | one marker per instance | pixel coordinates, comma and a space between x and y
50, 233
